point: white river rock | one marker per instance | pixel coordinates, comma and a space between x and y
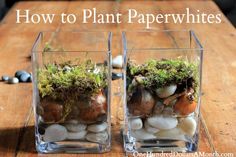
75, 127
97, 127
100, 137
149, 128
188, 125
166, 91
72, 121
174, 133
55, 132
142, 134
76, 135
136, 123
117, 62
162, 123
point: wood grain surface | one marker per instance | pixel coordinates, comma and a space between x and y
218, 119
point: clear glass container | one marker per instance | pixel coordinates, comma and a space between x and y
71, 92
162, 91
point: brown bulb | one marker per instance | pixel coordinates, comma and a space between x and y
141, 103
185, 105
52, 111
95, 110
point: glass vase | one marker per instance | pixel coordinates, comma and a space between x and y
71, 92
162, 91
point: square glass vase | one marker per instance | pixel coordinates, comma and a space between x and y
71, 92
162, 91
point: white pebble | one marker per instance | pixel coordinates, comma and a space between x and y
162, 123
55, 132
13, 80
5, 78
76, 135
174, 133
97, 127
75, 127
136, 123
117, 62
166, 91
150, 128
142, 134
72, 121
100, 137
188, 125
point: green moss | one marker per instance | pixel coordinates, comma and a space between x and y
160, 73
60, 81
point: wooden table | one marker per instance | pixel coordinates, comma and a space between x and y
218, 120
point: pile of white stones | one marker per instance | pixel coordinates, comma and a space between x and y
159, 126
72, 130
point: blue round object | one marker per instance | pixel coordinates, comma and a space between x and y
24, 77
30, 79
5, 78
13, 80
19, 73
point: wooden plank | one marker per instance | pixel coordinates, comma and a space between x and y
218, 86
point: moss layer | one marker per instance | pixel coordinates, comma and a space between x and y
159, 73
65, 80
